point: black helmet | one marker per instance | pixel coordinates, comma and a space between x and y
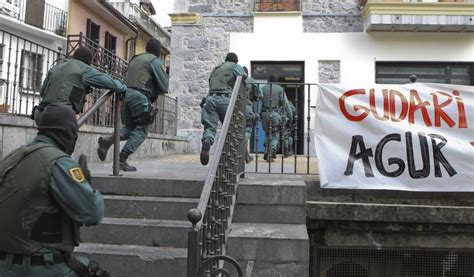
83, 54
59, 123
232, 57
153, 46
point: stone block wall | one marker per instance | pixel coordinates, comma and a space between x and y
329, 71
197, 49
322, 16
18, 130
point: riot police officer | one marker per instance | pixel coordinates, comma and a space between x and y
146, 80
221, 84
68, 83
45, 196
289, 127
254, 94
274, 102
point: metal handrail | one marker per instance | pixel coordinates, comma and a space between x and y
213, 215
93, 109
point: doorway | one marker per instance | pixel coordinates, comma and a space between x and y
287, 72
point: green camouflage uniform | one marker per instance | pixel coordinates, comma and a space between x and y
221, 84
273, 104
69, 82
40, 212
146, 80
254, 94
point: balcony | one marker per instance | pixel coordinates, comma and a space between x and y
277, 6
36, 13
140, 17
418, 16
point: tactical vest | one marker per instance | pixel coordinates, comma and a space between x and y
277, 93
222, 78
139, 75
30, 218
64, 84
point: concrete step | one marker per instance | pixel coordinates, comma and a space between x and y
169, 208
132, 231
265, 198
278, 214
254, 241
132, 260
270, 249
154, 187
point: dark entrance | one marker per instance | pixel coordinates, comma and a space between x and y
287, 72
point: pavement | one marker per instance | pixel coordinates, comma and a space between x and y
188, 167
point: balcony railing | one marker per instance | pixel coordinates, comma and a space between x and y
36, 13
148, 24
418, 15
363, 2
107, 61
277, 5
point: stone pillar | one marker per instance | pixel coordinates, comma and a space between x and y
198, 43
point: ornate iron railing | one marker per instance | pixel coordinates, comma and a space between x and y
294, 152
107, 61
36, 13
23, 66
212, 218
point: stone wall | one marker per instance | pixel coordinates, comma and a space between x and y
329, 71
18, 130
197, 49
321, 16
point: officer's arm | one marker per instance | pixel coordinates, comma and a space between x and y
95, 78
74, 194
161, 79
239, 71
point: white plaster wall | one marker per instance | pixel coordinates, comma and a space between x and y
280, 37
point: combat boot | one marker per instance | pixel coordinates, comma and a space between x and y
104, 145
206, 145
123, 162
248, 158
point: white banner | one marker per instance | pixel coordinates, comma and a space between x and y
416, 137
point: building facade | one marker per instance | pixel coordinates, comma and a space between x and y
330, 41
32, 35
352, 232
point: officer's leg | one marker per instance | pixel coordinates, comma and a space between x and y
10, 269
138, 108
209, 119
266, 129
276, 120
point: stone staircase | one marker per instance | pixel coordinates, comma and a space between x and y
144, 231
269, 237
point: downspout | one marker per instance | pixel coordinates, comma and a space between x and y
127, 41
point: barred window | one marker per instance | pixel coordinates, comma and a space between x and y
459, 73
31, 71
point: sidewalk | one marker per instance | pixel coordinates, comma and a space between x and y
188, 166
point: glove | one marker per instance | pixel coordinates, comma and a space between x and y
152, 114
83, 165
203, 101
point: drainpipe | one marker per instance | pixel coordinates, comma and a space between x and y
127, 41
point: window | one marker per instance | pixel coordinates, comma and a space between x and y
459, 73
277, 5
93, 31
110, 42
31, 71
